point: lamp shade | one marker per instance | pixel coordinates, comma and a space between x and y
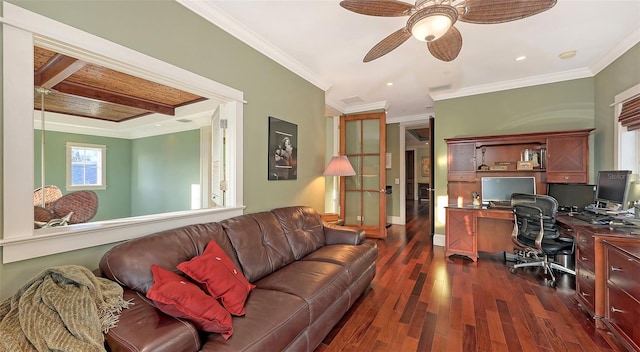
339, 166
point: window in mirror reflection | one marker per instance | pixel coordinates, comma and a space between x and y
86, 166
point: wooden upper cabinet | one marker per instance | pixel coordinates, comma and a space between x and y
461, 162
567, 159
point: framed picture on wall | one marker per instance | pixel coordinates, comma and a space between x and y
283, 150
425, 167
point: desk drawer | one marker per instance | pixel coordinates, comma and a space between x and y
585, 283
584, 241
495, 214
622, 313
586, 258
623, 271
566, 177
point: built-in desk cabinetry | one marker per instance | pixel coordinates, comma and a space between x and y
567, 158
461, 233
472, 229
563, 157
608, 277
585, 270
622, 292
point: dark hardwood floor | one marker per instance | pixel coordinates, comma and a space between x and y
420, 301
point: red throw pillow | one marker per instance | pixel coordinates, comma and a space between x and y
220, 276
178, 297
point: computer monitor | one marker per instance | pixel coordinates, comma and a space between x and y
500, 188
571, 195
612, 189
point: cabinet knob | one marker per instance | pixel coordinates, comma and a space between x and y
584, 259
566, 177
583, 240
613, 268
584, 294
616, 310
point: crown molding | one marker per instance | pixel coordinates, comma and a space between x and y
620, 48
213, 14
410, 120
514, 84
378, 105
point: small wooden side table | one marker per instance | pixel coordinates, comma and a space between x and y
331, 218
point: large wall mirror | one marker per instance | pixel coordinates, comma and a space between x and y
157, 121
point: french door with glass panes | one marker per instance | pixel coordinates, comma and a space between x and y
363, 197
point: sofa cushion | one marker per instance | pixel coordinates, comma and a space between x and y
320, 284
356, 259
303, 228
178, 297
273, 320
129, 263
220, 277
260, 244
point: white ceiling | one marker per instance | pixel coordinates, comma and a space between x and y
325, 44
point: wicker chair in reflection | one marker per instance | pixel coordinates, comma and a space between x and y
71, 208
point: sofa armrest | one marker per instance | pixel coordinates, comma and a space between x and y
335, 234
142, 327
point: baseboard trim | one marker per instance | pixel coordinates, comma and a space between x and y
438, 240
395, 220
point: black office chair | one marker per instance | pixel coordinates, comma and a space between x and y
535, 234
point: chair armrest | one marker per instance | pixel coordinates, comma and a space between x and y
335, 234
142, 327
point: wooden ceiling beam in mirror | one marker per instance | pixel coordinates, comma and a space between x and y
84, 89
57, 69
115, 98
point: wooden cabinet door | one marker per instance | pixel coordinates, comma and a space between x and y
461, 162
567, 159
461, 233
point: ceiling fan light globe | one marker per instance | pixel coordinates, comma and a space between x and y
431, 28
430, 23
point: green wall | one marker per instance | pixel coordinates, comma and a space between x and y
163, 168
619, 76
170, 32
114, 202
393, 147
548, 107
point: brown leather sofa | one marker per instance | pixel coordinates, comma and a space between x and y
307, 275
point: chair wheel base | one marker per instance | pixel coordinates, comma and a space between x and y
552, 283
513, 270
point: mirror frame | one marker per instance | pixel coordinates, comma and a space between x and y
22, 29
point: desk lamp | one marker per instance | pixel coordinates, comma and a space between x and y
338, 166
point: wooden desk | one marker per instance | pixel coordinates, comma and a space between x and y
470, 230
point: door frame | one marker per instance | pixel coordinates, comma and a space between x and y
373, 231
414, 121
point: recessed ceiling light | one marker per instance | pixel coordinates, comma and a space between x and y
158, 125
520, 58
567, 54
389, 83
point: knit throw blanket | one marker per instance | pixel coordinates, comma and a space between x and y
64, 308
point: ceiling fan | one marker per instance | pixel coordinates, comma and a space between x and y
432, 21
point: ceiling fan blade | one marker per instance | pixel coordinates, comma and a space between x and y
383, 8
387, 44
447, 47
499, 11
